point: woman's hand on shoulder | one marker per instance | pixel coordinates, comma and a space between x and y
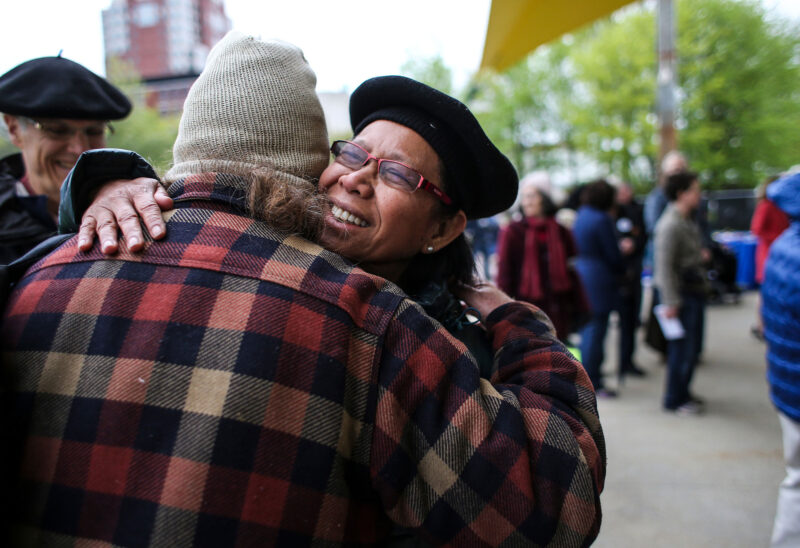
124, 205
482, 296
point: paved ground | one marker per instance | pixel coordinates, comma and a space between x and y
708, 481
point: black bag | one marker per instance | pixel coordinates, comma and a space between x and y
654, 337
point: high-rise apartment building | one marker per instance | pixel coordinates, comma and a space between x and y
166, 41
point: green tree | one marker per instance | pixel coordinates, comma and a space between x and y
145, 130
6, 147
431, 71
740, 105
521, 109
516, 120
148, 133
591, 95
615, 82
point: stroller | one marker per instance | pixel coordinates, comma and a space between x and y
722, 275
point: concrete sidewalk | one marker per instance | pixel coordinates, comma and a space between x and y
685, 481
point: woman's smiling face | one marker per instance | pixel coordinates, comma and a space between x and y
373, 224
49, 159
531, 201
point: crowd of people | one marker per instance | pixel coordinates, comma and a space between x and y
284, 341
582, 259
611, 239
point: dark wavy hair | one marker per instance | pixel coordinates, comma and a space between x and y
678, 182
454, 263
599, 194
292, 205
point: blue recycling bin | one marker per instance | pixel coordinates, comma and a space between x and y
743, 244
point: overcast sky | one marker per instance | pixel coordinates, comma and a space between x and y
345, 41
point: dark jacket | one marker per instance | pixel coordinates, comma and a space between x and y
781, 302
24, 220
599, 260
232, 385
91, 171
630, 224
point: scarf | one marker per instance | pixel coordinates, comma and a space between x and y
531, 275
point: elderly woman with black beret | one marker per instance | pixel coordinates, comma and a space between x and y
399, 195
53, 109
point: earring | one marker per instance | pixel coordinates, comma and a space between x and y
429, 249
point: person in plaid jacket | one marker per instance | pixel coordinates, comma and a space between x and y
237, 384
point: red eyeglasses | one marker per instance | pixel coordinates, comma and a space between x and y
391, 172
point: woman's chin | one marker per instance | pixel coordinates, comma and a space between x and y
336, 237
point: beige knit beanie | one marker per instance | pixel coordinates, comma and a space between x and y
254, 105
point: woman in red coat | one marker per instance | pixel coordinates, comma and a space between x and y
767, 224
533, 262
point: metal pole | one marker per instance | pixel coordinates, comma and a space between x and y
667, 78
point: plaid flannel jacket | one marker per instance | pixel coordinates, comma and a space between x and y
231, 386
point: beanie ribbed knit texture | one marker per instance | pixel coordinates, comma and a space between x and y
254, 105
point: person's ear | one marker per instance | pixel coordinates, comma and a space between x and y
445, 231
14, 129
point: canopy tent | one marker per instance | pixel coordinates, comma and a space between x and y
517, 27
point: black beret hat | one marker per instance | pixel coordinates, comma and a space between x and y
55, 87
480, 179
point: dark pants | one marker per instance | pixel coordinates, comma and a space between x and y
653, 335
593, 335
701, 332
629, 312
681, 353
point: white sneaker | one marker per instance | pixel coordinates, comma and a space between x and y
689, 408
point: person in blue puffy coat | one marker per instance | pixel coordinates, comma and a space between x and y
781, 314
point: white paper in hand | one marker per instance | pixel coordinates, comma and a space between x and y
672, 328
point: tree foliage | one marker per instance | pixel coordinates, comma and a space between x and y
6, 147
613, 109
739, 76
431, 71
521, 110
589, 98
145, 130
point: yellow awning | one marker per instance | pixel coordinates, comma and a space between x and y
517, 27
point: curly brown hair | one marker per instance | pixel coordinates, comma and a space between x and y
287, 203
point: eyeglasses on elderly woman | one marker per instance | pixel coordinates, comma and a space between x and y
391, 172
62, 131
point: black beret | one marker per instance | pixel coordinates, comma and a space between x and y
55, 87
480, 179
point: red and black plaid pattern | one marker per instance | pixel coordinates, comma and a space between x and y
518, 460
231, 386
